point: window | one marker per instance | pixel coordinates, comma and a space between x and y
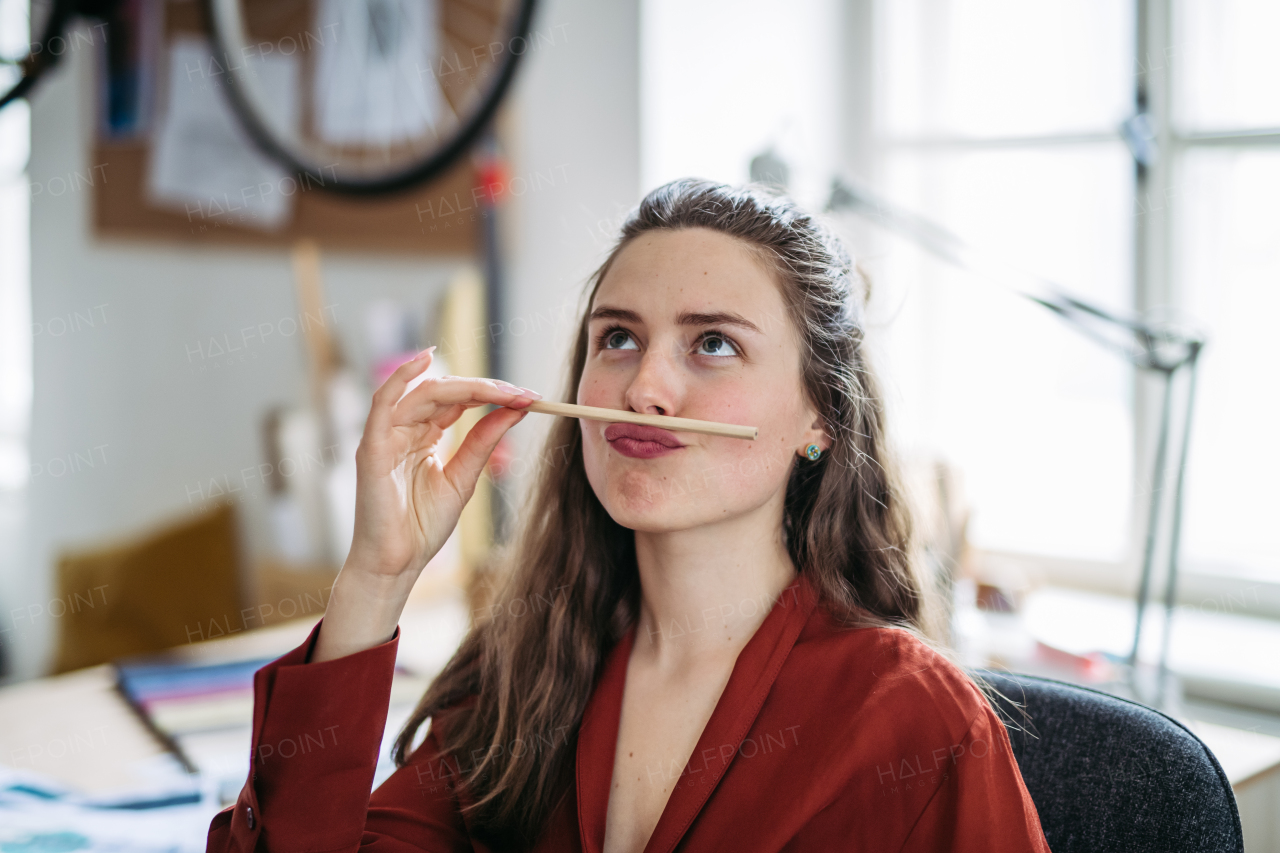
1001, 121
1225, 247
15, 295
989, 122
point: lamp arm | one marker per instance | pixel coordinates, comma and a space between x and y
1145, 345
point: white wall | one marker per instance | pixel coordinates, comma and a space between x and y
726, 79
129, 393
578, 106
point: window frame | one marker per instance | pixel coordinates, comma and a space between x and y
864, 150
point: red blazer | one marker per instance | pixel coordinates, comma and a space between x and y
824, 739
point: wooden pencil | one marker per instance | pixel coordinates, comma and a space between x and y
619, 416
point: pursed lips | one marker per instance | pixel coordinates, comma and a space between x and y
641, 441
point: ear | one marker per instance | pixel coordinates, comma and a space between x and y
815, 434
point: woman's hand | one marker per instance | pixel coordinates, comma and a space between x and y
408, 500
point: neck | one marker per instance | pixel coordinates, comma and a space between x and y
705, 590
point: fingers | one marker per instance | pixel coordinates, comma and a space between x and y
436, 397
464, 468
447, 416
386, 397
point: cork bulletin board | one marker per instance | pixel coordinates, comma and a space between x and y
440, 217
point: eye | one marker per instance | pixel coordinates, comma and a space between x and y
716, 344
617, 338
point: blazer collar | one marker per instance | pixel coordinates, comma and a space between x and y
753, 675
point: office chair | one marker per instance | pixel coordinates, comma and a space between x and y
1111, 776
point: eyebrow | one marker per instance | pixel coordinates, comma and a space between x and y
712, 318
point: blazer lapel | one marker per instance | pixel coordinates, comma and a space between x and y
597, 743
753, 675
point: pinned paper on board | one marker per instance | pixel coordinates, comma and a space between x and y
202, 161
374, 83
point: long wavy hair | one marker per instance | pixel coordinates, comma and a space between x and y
516, 689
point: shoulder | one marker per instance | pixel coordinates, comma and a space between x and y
885, 673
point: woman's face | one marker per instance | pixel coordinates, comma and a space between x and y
691, 324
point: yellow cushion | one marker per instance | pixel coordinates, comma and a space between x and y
162, 590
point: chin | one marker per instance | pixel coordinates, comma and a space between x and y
659, 516
650, 512
656, 498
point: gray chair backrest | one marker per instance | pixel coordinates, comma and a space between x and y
1107, 774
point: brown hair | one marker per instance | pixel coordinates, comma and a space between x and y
574, 576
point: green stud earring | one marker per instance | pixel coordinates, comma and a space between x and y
813, 452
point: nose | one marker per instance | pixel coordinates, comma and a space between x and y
657, 388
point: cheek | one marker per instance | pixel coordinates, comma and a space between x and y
744, 471
592, 391
753, 469
594, 450
602, 388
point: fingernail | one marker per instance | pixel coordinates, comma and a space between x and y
426, 352
530, 393
510, 389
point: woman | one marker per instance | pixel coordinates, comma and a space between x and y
705, 642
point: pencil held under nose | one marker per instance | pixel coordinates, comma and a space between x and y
620, 416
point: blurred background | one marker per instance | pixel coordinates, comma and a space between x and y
222, 224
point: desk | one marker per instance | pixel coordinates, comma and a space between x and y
1252, 763
77, 729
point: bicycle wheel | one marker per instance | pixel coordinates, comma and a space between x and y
385, 94
31, 42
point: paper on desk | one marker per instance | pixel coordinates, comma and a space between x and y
202, 161
375, 81
76, 728
37, 814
